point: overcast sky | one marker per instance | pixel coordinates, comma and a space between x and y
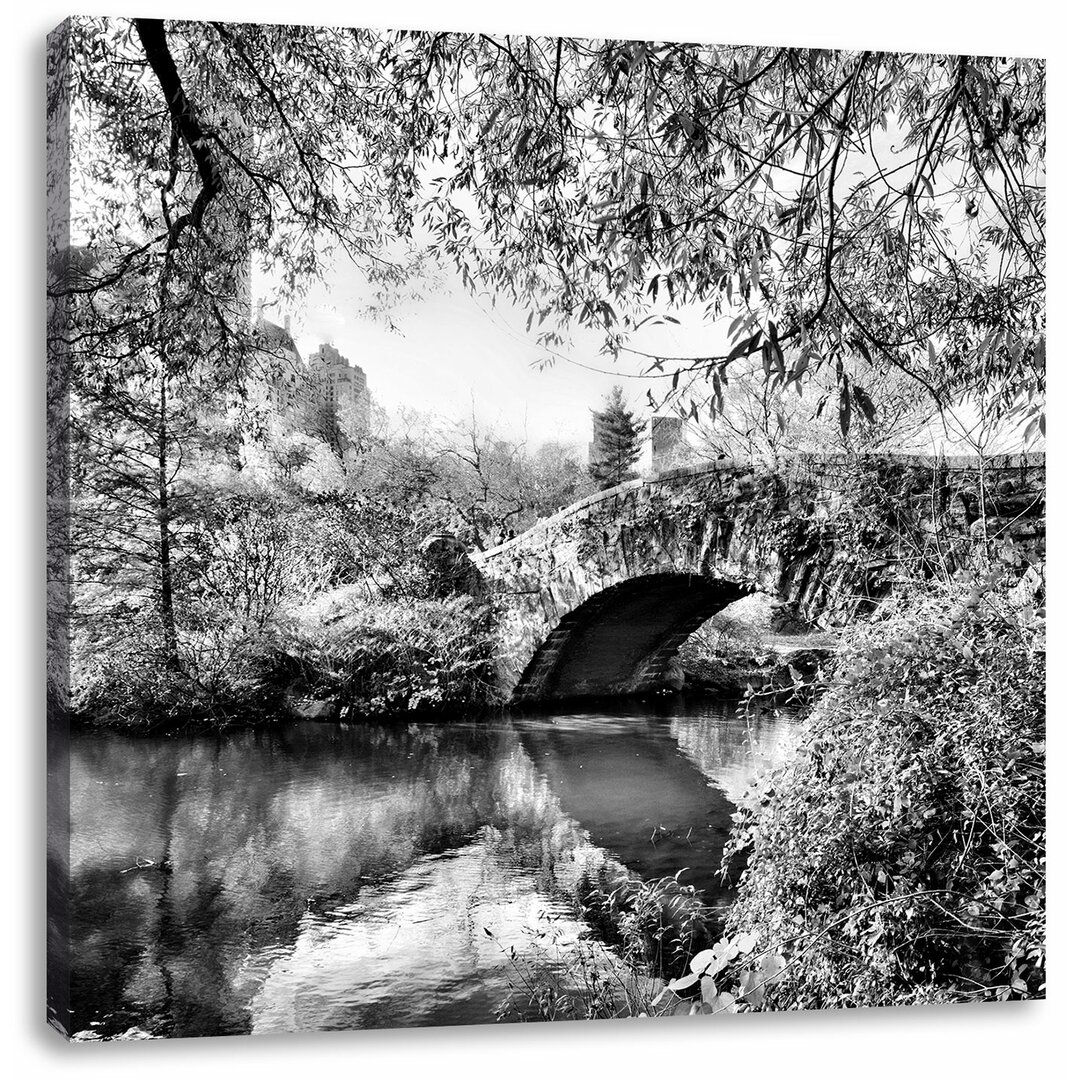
453, 350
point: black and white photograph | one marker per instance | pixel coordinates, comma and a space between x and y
540, 527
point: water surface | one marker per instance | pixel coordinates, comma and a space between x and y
312, 875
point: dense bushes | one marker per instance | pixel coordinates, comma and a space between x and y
723, 643
363, 656
228, 673
901, 857
390, 656
273, 587
377, 658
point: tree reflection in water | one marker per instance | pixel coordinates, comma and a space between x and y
321, 876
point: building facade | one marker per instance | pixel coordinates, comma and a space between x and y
342, 386
299, 396
666, 444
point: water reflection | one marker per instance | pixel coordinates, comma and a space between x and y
732, 755
315, 876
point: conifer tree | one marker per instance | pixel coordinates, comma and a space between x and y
617, 440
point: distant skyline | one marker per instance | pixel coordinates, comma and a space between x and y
454, 352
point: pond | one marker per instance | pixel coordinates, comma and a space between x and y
320, 876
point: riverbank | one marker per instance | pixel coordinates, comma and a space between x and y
901, 857
347, 657
344, 656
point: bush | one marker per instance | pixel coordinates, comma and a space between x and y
383, 656
726, 639
639, 931
901, 857
121, 677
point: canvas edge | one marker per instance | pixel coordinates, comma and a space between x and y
57, 525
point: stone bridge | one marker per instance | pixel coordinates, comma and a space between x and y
597, 598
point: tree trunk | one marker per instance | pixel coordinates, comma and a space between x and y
168, 617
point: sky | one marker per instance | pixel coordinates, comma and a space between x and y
454, 354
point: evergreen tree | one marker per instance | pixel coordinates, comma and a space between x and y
616, 442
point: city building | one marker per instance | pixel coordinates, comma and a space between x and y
283, 385
665, 443
343, 386
299, 396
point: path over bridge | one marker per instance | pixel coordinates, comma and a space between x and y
597, 598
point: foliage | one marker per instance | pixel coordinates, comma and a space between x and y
192, 145
640, 930
559, 978
463, 478
120, 675
825, 204
386, 657
901, 857
244, 551
660, 922
720, 637
616, 442
763, 423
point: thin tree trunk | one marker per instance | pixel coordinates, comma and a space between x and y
168, 617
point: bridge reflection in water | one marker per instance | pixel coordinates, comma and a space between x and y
314, 876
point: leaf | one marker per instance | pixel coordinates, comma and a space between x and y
771, 966
718, 394
777, 352
747, 345
845, 408
491, 120
751, 989
746, 942
866, 405
701, 961
682, 984
708, 990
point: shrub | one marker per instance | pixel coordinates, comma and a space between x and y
723, 638
901, 857
390, 656
120, 675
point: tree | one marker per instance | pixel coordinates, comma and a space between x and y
820, 205
761, 424
616, 443
191, 147
556, 477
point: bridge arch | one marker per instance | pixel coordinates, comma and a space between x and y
596, 598
623, 638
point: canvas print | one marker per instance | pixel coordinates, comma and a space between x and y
540, 528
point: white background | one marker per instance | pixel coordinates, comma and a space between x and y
1036, 1040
